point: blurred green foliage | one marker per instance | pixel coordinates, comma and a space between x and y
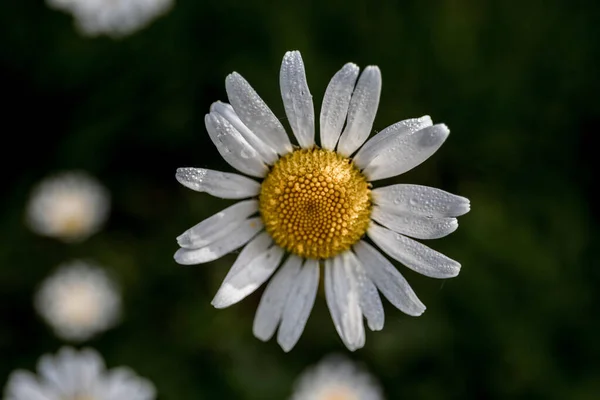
517, 84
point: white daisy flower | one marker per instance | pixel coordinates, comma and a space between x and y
115, 18
69, 206
317, 204
336, 378
77, 375
79, 301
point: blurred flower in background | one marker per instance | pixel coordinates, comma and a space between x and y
69, 206
336, 378
317, 204
112, 17
77, 375
78, 301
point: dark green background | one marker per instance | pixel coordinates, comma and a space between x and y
516, 82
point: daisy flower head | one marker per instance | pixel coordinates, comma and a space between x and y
336, 378
77, 375
78, 301
316, 204
114, 18
70, 206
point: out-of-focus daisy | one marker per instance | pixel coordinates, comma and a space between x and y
77, 375
317, 203
112, 17
69, 206
336, 378
78, 301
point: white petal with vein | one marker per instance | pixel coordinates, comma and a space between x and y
420, 200
343, 300
270, 309
297, 99
362, 111
233, 147
216, 183
335, 105
389, 280
248, 278
406, 152
370, 302
267, 153
247, 230
255, 114
253, 249
416, 226
413, 254
218, 225
381, 140
299, 304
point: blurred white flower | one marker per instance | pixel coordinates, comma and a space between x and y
78, 301
77, 375
336, 378
112, 17
69, 206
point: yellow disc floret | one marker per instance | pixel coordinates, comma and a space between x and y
315, 203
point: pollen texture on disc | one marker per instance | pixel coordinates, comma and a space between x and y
315, 203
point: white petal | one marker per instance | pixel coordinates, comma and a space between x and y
414, 255
343, 300
218, 225
270, 310
389, 280
217, 249
267, 153
216, 183
248, 278
253, 249
370, 302
416, 226
362, 111
299, 304
255, 114
420, 200
22, 385
123, 383
335, 105
233, 147
297, 99
379, 142
406, 152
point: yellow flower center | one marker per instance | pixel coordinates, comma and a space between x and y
315, 203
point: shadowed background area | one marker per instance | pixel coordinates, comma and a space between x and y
517, 86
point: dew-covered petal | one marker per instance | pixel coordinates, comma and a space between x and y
388, 280
22, 385
420, 200
247, 230
270, 309
297, 99
266, 152
216, 183
255, 114
253, 249
406, 152
370, 302
335, 105
413, 254
380, 141
362, 111
218, 225
299, 304
343, 300
233, 147
248, 278
416, 226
